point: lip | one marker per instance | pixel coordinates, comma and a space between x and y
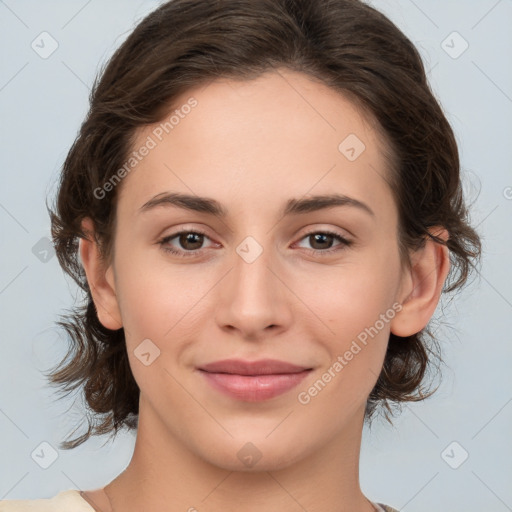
259, 367
253, 381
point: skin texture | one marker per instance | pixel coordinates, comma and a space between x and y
252, 146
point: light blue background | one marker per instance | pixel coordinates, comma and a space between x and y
43, 102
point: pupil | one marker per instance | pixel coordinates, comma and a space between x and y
320, 236
189, 238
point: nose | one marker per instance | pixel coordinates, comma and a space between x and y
254, 300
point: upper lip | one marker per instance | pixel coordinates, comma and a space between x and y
260, 367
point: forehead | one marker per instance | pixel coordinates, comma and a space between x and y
282, 133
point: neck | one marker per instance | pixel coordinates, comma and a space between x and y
165, 475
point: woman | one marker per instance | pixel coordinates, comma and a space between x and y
263, 207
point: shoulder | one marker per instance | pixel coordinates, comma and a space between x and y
64, 501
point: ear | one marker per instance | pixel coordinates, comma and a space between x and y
100, 279
422, 285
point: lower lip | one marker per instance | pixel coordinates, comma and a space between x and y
254, 388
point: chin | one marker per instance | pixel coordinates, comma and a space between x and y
254, 453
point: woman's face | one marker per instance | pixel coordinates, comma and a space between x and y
269, 279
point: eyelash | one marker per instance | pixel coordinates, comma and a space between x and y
185, 254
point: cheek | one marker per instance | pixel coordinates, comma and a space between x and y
350, 297
354, 305
165, 306
154, 294
155, 312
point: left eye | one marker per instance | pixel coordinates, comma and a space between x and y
323, 237
191, 242
195, 238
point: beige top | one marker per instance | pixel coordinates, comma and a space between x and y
65, 501
72, 501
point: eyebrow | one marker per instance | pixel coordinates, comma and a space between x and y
292, 207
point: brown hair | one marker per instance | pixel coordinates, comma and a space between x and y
345, 44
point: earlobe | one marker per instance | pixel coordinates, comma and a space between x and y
100, 279
422, 286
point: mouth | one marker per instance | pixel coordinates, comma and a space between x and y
253, 381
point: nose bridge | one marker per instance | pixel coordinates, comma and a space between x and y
251, 271
253, 298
